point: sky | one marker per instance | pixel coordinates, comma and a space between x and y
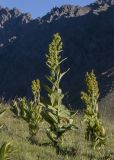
39, 8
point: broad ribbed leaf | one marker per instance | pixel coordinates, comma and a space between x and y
2, 112
6, 151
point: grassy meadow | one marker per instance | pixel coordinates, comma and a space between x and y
74, 146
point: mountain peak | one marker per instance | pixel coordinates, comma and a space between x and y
110, 2
69, 11
66, 11
7, 14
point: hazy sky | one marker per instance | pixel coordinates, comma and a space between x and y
39, 8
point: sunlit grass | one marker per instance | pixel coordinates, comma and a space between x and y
74, 146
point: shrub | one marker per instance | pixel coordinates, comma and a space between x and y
30, 111
95, 132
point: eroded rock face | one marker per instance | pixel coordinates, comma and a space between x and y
66, 11
83, 11
7, 16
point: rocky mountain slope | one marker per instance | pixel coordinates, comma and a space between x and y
87, 34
